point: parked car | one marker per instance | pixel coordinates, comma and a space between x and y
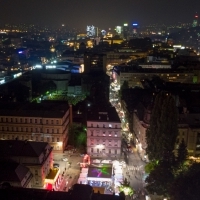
56, 165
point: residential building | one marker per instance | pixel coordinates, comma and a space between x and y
17, 175
103, 133
135, 76
188, 126
36, 156
44, 122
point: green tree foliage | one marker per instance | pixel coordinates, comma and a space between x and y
162, 133
125, 188
149, 167
182, 153
123, 87
160, 179
187, 184
77, 135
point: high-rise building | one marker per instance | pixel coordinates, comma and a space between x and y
125, 31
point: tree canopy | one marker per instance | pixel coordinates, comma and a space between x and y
162, 133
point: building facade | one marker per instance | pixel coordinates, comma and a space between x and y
104, 134
36, 156
45, 122
188, 128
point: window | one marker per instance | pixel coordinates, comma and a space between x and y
97, 126
104, 134
97, 142
103, 142
110, 125
2, 128
110, 133
35, 120
57, 130
115, 143
103, 125
91, 125
52, 130
31, 130
47, 130
22, 137
92, 142
11, 120
6, 119
115, 126
109, 143
31, 137
115, 151
42, 139
36, 130
52, 139
51, 121
40, 121
115, 134
109, 151
2, 119
26, 129
91, 150
30, 120
36, 138
46, 121
13, 137
57, 139
47, 139
40, 130
97, 150
26, 121
56, 121
91, 133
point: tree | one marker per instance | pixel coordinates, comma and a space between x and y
162, 133
149, 167
159, 179
182, 153
125, 188
186, 185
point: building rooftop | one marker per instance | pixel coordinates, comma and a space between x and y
108, 113
21, 148
12, 172
46, 109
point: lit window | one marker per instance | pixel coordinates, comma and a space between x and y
110, 125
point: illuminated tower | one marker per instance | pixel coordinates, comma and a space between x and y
125, 31
135, 29
195, 21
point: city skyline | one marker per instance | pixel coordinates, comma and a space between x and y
101, 13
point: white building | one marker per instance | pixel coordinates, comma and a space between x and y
104, 133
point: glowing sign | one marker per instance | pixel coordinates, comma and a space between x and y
20, 52
50, 66
38, 66
125, 24
90, 31
135, 24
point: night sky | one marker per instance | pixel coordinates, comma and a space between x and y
101, 13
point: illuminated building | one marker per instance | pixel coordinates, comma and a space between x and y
44, 122
135, 29
125, 31
36, 156
103, 133
134, 77
118, 30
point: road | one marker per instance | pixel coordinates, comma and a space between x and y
134, 171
